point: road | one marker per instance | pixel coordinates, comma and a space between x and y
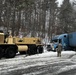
40, 64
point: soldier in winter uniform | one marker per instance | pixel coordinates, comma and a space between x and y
59, 49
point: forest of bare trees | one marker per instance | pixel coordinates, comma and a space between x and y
37, 18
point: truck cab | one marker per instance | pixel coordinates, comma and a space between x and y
63, 38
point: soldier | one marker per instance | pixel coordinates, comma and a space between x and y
59, 49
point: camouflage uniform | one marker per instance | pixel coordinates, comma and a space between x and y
59, 50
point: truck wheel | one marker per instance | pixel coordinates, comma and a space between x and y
32, 50
10, 53
1, 53
40, 49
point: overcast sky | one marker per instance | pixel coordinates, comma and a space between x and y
61, 1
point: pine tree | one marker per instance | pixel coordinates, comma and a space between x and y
66, 16
52, 18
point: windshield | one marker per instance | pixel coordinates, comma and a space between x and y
57, 40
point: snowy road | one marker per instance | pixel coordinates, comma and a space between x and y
40, 64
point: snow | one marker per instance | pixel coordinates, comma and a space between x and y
20, 67
54, 54
23, 62
67, 68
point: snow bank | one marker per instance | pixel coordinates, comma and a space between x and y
54, 54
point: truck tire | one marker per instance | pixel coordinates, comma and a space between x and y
32, 49
1, 53
40, 49
10, 53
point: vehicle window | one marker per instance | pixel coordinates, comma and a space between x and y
56, 40
59, 40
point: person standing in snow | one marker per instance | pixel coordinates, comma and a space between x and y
59, 49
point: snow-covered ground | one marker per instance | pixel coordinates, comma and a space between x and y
46, 63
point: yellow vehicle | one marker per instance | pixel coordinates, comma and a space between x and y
34, 45
7, 49
11, 45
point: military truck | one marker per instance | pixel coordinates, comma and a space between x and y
34, 45
9, 46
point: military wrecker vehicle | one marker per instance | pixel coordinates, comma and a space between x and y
9, 46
